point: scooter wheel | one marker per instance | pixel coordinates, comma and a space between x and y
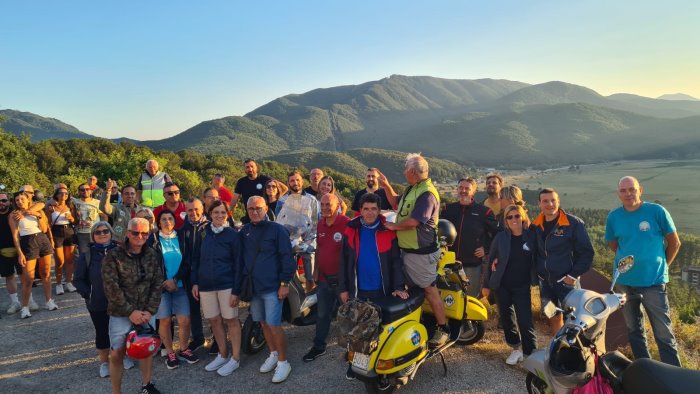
471, 332
253, 339
375, 387
535, 385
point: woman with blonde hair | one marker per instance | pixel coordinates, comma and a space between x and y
327, 185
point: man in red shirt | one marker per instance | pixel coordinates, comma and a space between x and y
329, 242
171, 192
224, 193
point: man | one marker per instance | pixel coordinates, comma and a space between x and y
250, 185
209, 196
476, 227
329, 241
171, 191
267, 256
494, 183
298, 212
151, 184
217, 182
119, 213
314, 179
95, 191
416, 229
133, 281
564, 252
87, 212
194, 225
372, 187
9, 264
639, 229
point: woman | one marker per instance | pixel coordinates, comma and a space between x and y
215, 265
146, 213
274, 189
61, 219
327, 185
88, 282
512, 262
33, 248
509, 195
169, 245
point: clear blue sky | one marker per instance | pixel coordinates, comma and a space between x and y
151, 69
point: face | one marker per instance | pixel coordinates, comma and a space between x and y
315, 176
251, 169
257, 209
329, 205
92, 180
211, 196
219, 215
409, 174
369, 212
493, 186
217, 181
271, 190
61, 195
129, 195
549, 204
465, 191
4, 203
102, 235
152, 167
325, 187
21, 201
167, 223
137, 235
371, 179
195, 210
295, 183
629, 192
84, 191
514, 220
172, 194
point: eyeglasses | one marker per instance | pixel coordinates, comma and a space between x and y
82, 189
270, 187
138, 234
516, 216
4, 200
102, 232
62, 193
172, 193
256, 209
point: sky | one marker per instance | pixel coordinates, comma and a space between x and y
152, 69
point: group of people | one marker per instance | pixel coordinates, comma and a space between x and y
145, 255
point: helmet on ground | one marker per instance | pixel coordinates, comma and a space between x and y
142, 342
447, 230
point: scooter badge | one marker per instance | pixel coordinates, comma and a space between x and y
415, 338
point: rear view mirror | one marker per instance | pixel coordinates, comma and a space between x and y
623, 265
550, 310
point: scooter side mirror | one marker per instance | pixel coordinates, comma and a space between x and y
550, 310
623, 265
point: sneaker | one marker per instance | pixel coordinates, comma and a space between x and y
128, 363
172, 362
228, 368
439, 338
270, 364
313, 354
349, 374
163, 353
196, 344
24, 313
217, 363
33, 306
149, 389
104, 370
50, 305
59, 290
515, 357
70, 288
14, 308
188, 356
282, 371
214, 348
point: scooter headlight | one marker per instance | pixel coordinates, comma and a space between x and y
383, 365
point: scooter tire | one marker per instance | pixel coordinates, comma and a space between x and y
253, 339
534, 384
474, 335
374, 387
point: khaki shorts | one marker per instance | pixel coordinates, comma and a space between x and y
421, 269
215, 303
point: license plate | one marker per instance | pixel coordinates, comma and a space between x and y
360, 361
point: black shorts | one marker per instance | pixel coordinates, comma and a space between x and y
63, 235
35, 246
9, 266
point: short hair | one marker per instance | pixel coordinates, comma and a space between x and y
495, 175
83, 184
170, 184
255, 198
512, 193
373, 169
96, 225
128, 186
246, 161
217, 175
208, 190
523, 214
148, 211
370, 198
193, 200
292, 173
217, 204
417, 163
468, 180
160, 215
546, 190
137, 221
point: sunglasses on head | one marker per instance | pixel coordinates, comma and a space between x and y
102, 232
516, 216
138, 234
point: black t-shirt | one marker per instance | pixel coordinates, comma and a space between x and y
548, 226
310, 190
380, 192
247, 188
517, 272
5, 232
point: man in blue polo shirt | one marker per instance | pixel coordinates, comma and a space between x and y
639, 229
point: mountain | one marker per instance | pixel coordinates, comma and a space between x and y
39, 127
677, 96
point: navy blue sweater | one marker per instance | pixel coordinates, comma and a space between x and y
216, 261
87, 278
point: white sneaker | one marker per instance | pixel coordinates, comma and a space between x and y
282, 371
229, 367
269, 364
104, 370
33, 306
50, 305
164, 352
59, 291
515, 357
14, 308
217, 363
24, 313
128, 363
70, 288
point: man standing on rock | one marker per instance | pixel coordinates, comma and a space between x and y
151, 184
253, 184
647, 232
372, 187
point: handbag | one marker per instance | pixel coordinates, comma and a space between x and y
247, 285
597, 385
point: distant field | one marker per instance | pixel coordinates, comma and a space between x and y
675, 184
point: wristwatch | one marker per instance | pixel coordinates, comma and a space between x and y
284, 284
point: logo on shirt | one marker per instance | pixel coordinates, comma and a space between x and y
337, 237
526, 248
183, 215
644, 226
558, 232
259, 186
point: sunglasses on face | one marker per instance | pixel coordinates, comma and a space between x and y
138, 234
4, 200
172, 193
271, 187
516, 216
102, 232
83, 189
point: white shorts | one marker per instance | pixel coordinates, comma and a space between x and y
215, 303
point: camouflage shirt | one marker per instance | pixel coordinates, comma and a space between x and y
132, 282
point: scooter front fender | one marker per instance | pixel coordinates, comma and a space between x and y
476, 310
407, 344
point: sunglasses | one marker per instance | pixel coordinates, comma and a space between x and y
516, 216
4, 200
172, 193
138, 234
271, 187
102, 232
82, 189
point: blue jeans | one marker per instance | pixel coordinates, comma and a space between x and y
327, 300
267, 307
655, 302
521, 300
195, 315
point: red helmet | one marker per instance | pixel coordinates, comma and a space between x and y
142, 342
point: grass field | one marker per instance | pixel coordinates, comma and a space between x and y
673, 183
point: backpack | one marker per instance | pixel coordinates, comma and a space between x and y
359, 325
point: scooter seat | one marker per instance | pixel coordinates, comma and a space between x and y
394, 308
611, 366
645, 375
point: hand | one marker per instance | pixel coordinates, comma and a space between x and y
282, 292
479, 252
344, 297
390, 226
400, 293
569, 281
493, 265
22, 260
233, 301
195, 292
382, 180
136, 317
146, 317
309, 285
485, 292
17, 215
170, 285
68, 216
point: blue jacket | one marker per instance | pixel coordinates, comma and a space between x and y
500, 249
216, 261
566, 250
88, 277
275, 262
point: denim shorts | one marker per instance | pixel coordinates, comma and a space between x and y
268, 308
119, 328
175, 303
555, 292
